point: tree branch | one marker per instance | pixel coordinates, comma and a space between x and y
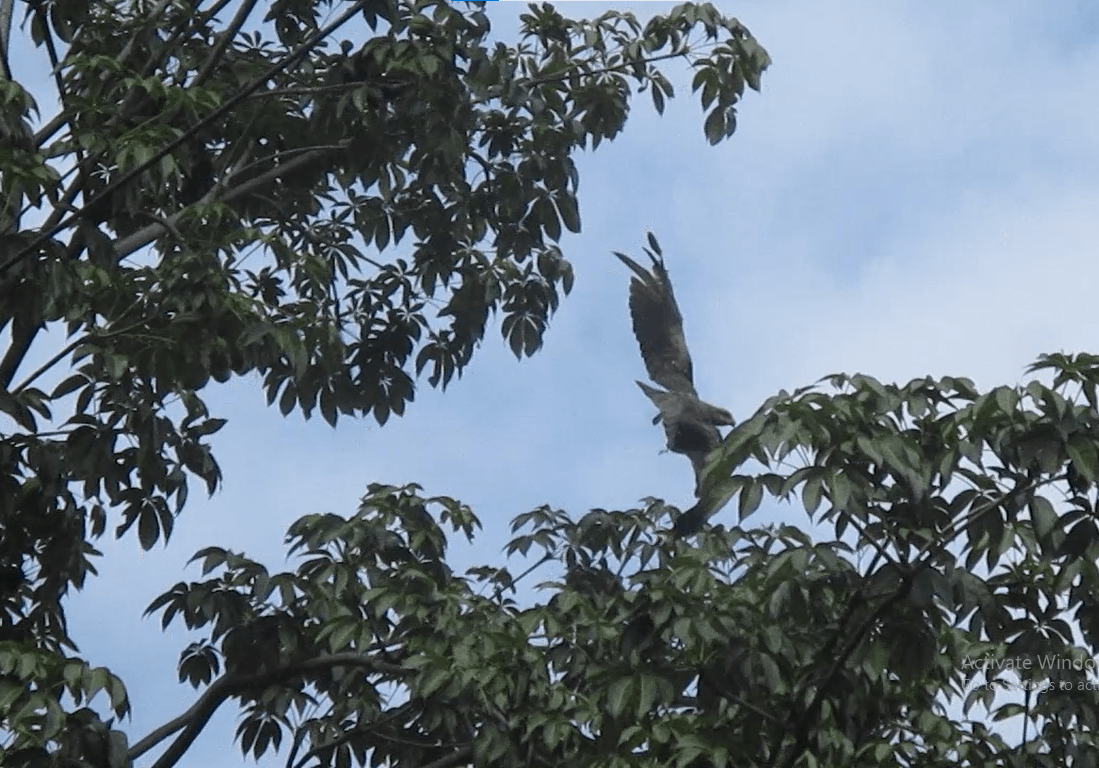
146, 235
449, 761
226, 37
924, 558
53, 126
129, 47
194, 719
86, 338
397, 713
23, 333
50, 364
5, 36
170, 43
22, 336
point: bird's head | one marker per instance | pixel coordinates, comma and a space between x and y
724, 419
720, 417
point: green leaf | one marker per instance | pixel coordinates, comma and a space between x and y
148, 527
646, 694
547, 215
1006, 398
658, 100
1006, 711
328, 406
1084, 457
570, 215
434, 680
343, 632
715, 126
750, 497
18, 411
618, 696
208, 427
288, 398
1043, 516
1079, 539
702, 76
381, 412
811, 494
69, 385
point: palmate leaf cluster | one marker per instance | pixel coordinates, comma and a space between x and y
333, 198
878, 639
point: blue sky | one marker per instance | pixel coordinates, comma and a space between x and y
914, 192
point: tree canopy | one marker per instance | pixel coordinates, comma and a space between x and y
229, 190
334, 196
267, 176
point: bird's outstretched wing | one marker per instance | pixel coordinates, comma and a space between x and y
690, 424
658, 326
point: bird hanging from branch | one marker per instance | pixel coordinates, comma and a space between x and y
690, 424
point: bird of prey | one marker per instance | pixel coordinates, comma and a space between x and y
690, 423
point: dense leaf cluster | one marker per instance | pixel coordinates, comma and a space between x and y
879, 641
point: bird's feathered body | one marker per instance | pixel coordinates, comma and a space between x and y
690, 424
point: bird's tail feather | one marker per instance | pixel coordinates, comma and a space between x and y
690, 521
